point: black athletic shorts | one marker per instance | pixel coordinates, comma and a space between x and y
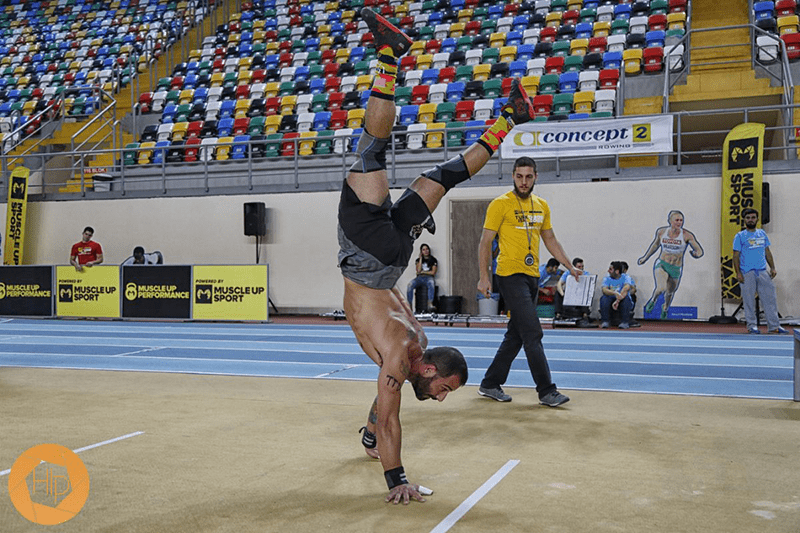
373, 251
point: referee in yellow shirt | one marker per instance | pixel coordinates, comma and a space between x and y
519, 218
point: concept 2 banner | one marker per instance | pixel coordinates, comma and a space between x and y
582, 138
742, 166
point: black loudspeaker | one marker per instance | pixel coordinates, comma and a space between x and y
765, 203
255, 219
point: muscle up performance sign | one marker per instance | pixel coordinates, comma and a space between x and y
26, 290
742, 165
151, 291
634, 135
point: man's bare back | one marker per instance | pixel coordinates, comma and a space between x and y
382, 322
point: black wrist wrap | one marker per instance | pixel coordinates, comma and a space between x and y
368, 438
395, 476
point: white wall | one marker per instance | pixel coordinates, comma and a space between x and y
600, 222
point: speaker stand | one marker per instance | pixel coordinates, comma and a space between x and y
721, 318
258, 258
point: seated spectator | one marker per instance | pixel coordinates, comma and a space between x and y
139, 257
426, 270
615, 297
549, 275
571, 311
632, 292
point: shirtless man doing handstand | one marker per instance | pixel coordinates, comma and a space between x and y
376, 240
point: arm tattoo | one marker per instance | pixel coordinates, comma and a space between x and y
373, 413
393, 383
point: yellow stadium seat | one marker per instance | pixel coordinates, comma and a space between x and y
287, 104
271, 124
632, 59
435, 139
508, 54
364, 82
426, 113
530, 84
307, 142
583, 101
481, 72
224, 146
355, 118
424, 61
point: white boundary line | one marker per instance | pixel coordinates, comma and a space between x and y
474, 498
91, 446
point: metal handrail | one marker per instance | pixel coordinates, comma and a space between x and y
785, 78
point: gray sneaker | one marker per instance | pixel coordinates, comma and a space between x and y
554, 399
495, 394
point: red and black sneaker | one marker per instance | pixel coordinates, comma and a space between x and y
519, 105
386, 33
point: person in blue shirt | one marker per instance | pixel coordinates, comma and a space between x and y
615, 297
549, 275
751, 257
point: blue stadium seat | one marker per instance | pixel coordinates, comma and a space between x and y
498, 106
656, 38
168, 115
612, 60
514, 38
160, 152
578, 116
472, 135
622, 11
224, 127
455, 91
517, 69
408, 114
239, 150
583, 30
448, 45
321, 120
520, 23
227, 109
430, 76
568, 82
525, 52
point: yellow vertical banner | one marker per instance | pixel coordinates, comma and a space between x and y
230, 292
15, 216
92, 292
742, 166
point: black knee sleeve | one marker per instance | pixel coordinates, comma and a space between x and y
370, 154
450, 173
411, 215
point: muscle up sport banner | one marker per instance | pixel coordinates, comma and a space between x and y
26, 290
622, 135
93, 292
156, 291
230, 292
742, 164
15, 216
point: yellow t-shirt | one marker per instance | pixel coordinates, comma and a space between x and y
505, 216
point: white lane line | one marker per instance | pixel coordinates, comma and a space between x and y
474, 498
91, 446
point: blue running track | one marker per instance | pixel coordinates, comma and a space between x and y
629, 361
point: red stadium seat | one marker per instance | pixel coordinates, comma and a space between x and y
464, 110
792, 41
653, 59
542, 104
335, 101
609, 78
